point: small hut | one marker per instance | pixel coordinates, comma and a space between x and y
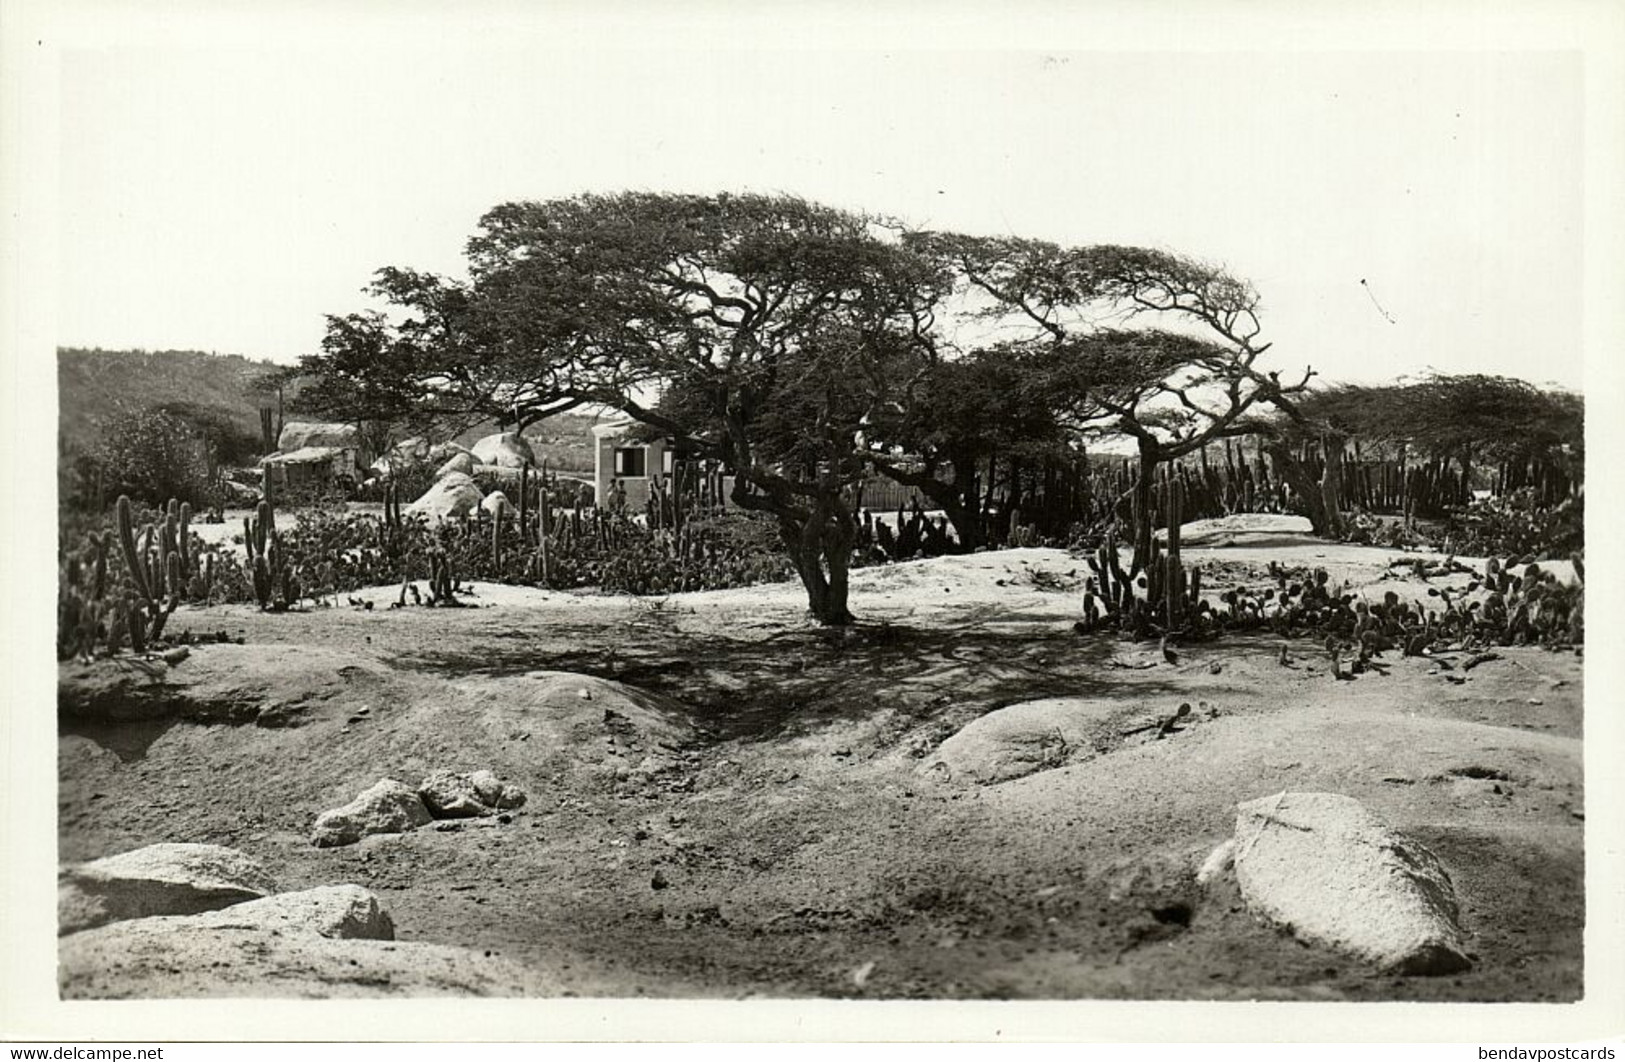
314, 457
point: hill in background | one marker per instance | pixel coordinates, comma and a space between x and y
94, 385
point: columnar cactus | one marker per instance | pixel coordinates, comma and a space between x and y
126, 538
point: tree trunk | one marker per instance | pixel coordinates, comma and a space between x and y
1298, 476
959, 500
821, 550
1331, 485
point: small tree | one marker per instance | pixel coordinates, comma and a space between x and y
154, 456
1169, 390
947, 434
757, 331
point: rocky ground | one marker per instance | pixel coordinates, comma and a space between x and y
723, 800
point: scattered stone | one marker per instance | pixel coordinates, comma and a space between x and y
1218, 861
388, 807
174, 656
1323, 867
489, 788
449, 795
161, 879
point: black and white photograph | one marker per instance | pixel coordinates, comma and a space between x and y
750, 511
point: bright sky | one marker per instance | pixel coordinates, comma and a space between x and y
222, 189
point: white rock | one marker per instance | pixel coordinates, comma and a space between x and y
1321, 866
161, 879
296, 435
462, 464
439, 453
1218, 861
176, 958
509, 449
343, 912
453, 495
497, 504
388, 807
449, 795
1018, 740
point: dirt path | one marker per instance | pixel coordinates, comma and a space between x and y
794, 840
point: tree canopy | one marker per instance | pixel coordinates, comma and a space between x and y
1490, 417
804, 347
1159, 347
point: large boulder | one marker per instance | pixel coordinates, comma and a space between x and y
1320, 865
453, 496
388, 807
277, 685
161, 879
497, 504
343, 912
509, 449
458, 464
296, 435
1019, 740
449, 795
332, 942
439, 453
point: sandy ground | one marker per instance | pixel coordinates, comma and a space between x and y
780, 834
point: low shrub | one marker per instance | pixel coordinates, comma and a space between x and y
1516, 524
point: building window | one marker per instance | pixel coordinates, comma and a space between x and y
629, 461
667, 461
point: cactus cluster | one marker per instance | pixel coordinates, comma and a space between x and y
1535, 606
153, 565
1163, 598
393, 537
84, 622
276, 586
443, 583
1495, 608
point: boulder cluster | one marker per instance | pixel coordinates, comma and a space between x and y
395, 807
455, 494
174, 920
